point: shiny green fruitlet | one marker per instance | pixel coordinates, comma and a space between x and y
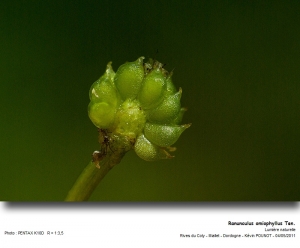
138, 108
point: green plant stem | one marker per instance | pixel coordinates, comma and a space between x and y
92, 175
87, 182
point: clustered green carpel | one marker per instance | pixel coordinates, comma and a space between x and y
138, 108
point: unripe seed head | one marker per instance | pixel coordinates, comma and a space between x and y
138, 105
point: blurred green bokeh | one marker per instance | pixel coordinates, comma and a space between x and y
237, 62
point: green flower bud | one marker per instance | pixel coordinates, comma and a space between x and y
137, 108
163, 135
148, 151
153, 88
129, 77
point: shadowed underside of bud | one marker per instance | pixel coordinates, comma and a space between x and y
138, 108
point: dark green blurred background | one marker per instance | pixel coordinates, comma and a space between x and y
237, 62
